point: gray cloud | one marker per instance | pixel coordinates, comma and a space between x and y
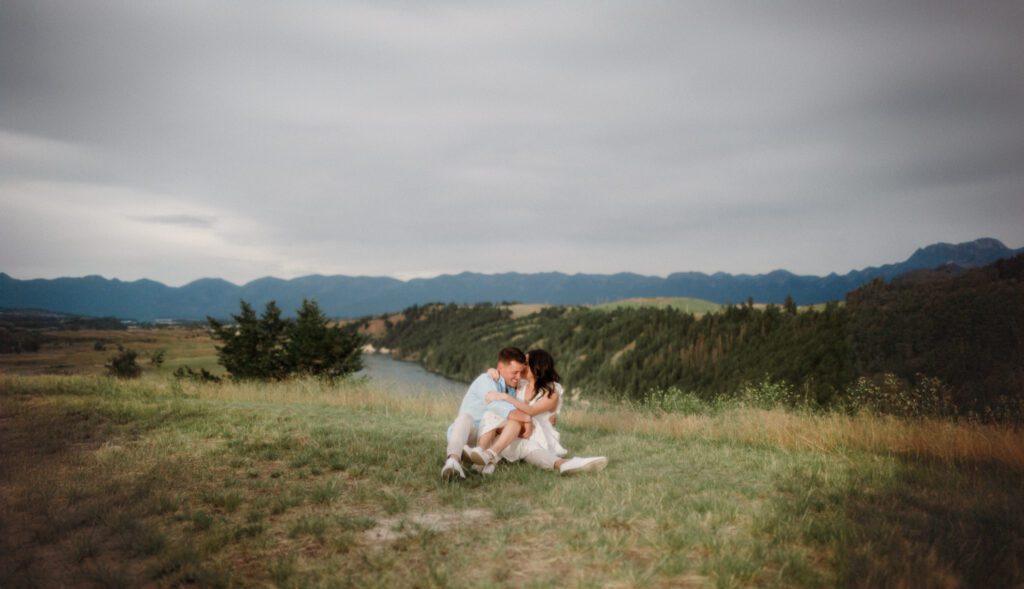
409, 139
180, 219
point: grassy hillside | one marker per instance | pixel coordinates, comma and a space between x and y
684, 304
296, 484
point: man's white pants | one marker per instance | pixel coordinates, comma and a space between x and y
460, 433
463, 432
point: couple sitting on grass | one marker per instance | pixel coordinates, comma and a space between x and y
510, 413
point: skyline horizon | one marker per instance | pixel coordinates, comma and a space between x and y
242, 283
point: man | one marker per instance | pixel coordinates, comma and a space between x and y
463, 431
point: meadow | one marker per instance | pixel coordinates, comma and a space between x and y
162, 482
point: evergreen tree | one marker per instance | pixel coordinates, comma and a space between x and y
271, 347
272, 358
240, 355
789, 305
315, 347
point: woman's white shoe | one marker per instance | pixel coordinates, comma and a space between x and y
482, 457
578, 464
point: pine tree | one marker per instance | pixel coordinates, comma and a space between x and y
272, 359
789, 305
240, 354
315, 347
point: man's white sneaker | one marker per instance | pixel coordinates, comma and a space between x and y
452, 469
591, 464
482, 457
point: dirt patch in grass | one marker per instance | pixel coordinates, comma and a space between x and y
394, 528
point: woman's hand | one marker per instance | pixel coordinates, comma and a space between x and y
527, 430
495, 396
493, 374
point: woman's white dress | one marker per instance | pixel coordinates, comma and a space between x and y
544, 434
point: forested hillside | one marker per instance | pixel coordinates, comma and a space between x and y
627, 351
967, 330
961, 334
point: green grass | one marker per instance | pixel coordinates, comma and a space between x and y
307, 484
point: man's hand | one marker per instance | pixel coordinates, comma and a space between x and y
495, 396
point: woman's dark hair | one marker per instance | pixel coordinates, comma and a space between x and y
542, 365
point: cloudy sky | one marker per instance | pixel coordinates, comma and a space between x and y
177, 140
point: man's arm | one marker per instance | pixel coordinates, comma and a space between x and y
475, 403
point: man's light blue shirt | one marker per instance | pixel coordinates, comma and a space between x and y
475, 401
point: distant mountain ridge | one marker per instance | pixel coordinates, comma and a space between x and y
354, 296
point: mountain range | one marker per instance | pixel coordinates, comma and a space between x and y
355, 296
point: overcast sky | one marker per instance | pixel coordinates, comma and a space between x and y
178, 140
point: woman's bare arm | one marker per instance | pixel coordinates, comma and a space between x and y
549, 403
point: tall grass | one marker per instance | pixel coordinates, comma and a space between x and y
938, 439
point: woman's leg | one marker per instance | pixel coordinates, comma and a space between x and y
485, 440
508, 434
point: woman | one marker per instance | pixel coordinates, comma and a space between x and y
540, 397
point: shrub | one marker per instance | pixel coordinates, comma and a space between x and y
768, 394
673, 400
123, 365
890, 395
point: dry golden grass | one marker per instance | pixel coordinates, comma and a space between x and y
833, 432
524, 310
73, 352
315, 392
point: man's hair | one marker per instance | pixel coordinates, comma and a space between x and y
507, 355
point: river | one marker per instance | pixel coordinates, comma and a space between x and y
408, 377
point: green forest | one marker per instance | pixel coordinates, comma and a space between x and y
953, 342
